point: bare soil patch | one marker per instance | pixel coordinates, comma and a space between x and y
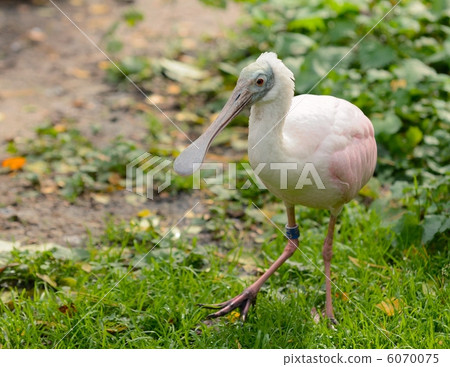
50, 71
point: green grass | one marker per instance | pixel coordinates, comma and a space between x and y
154, 304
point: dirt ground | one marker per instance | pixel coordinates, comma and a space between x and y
49, 71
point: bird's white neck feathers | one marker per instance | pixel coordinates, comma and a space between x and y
267, 115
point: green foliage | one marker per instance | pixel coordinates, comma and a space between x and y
137, 68
426, 221
61, 154
133, 17
216, 3
397, 75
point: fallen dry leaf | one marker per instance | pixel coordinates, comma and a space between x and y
140, 106
47, 279
98, 9
135, 200
8, 266
14, 163
342, 295
104, 65
80, 73
180, 71
17, 93
76, 2
428, 288
6, 297
359, 263
192, 215
397, 84
355, 261
315, 315
144, 213
117, 329
36, 35
101, 198
390, 306
60, 128
114, 178
153, 99
174, 89
86, 267
48, 187
68, 309
187, 116
194, 230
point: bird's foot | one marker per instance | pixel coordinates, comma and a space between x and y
332, 320
329, 317
243, 301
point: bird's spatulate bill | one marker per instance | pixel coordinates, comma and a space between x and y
192, 157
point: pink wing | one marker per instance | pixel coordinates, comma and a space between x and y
353, 165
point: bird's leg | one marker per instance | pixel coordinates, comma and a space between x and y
327, 254
248, 296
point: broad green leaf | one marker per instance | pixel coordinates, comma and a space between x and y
408, 229
342, 29
407, 25
181, 71
114, 45
414, 136
376, 75
216, 3
312, 24
432, 225
414, 70
133, 17
442, 110
374, 54
291, 44
345, 7
325, 58
389, 123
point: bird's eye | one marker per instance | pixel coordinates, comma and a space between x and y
260, 81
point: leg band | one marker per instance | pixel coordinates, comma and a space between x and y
292, 232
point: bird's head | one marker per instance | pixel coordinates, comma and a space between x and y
260, 81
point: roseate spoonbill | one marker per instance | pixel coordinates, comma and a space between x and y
330, 133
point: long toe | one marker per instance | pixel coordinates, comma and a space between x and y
242, 301
244, 310
215, 306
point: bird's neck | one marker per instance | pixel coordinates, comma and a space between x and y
266, 121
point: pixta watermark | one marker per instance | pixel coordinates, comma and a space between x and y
148, 174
